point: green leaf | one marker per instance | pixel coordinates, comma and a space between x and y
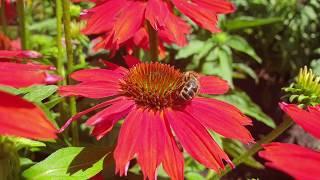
249, 22
247, 70
10, 90
242, 101
39, 93
236, 149
193, 176
192, 48
72, 163
225, 61
240, 44
27, 143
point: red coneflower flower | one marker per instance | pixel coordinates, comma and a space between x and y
22, 75
19, 117
146, 95
308, 119
120, 20
299, 162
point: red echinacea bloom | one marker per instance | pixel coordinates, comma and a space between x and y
122, 21
156, 118
308, 119
299, 162
16, 74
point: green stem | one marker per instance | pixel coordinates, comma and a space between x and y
70, 65
255, 148
60, 64
4, 24
22, 23
153, 43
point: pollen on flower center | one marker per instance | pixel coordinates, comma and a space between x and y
152, 85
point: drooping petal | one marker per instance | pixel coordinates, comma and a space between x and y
129, 137
308, 120
91, 89
204, 17
23, 75
19, 117
157, 13
114, 67
196, 140
96, 75
98, 106
104, 120
301, 163
221, 117
173, 162
213, 85
150, 149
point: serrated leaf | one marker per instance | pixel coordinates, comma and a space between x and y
39, 93
72, 163
236, 149
240, 44
242, 101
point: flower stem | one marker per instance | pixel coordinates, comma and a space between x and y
287, 122
22, 23
4, 24
153, 43
70, 65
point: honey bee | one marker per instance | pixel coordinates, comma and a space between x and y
190, 86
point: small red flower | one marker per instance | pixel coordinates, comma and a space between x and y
299, 162
308, 119
22, 75
19, 117
146, 96
120, 20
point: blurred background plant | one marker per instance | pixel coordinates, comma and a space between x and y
259, 51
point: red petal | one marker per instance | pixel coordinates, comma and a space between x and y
91, 89
213, 85
96, 75
173, 162
22, 75
131, 61
204, 17
116, 68
19, 117
157, 13
308, 120
150, 149
196, 140
221, 117
128, 139
98, 106
299, 162
218, 6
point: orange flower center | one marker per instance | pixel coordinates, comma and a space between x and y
153, 85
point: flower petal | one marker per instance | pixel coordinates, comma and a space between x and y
157, 13
218, 6
150, 149
98, 106
19, 54
91, 89
19, 117
213, 85
196, 140
221, 117
96, 75
129, 137
23, 75
308, 120
204, 17
299, 162
173, 162
131, 61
